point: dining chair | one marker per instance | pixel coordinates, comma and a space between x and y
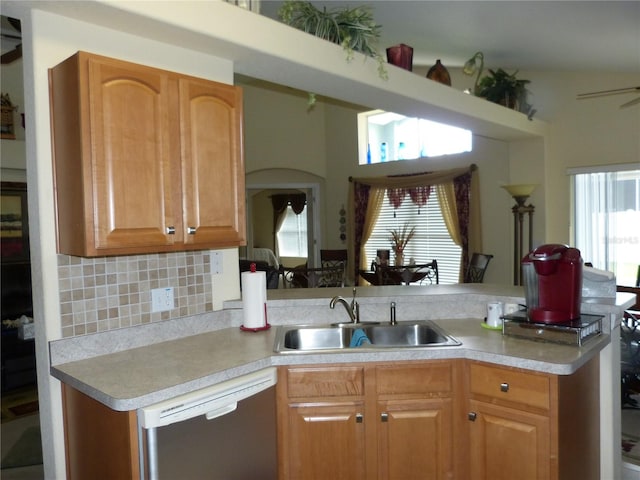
334, 258
477, 267
432, 276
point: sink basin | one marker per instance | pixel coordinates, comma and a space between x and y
407, 335
309, 338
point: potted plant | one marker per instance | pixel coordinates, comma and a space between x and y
399, 240
353, 28
504, 89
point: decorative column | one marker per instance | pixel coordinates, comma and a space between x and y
520, 193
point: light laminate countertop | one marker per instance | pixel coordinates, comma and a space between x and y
142, 376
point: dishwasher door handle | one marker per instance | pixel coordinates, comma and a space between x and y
218, 412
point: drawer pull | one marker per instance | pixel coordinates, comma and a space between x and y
384, 417
191, 230
171, 230
472, 416
359, 418
504, 387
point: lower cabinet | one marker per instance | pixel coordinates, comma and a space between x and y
415, 439
373, 421
99, 442
438, 419
531, 426
326, 441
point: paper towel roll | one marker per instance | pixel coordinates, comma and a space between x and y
254, 299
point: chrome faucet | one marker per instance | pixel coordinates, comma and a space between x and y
353, 309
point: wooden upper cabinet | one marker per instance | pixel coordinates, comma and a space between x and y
145, 160
212, 166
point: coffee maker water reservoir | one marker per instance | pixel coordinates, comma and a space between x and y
552, 277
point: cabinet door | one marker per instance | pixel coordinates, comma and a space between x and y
326, 441
508, 443
415, 439
212, 163
134, 185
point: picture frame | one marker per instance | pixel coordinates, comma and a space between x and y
14, 222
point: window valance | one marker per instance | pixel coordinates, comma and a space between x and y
296, 200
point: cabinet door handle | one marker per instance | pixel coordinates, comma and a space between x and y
359, 418
472, 416
171, 230
191, 230
384, 417
504, 387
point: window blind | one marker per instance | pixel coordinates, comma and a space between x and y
430, 242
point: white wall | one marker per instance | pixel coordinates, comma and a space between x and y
583, 133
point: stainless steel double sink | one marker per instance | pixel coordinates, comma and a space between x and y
314, 338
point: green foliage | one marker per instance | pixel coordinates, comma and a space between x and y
503, 88
352, 28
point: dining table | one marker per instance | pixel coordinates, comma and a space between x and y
395, 275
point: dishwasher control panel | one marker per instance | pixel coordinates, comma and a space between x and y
212, 401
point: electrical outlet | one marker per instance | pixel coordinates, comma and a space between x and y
162, 299
216, 263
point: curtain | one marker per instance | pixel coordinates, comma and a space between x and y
280, 202
376, 197
455, 188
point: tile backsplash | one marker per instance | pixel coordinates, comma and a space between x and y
100, 294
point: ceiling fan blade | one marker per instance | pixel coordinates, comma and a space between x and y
632, 102
602, 93
12, 55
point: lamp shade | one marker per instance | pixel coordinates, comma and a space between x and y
521, 190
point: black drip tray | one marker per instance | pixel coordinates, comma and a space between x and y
574, 332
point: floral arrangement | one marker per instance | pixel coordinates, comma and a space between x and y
400, 238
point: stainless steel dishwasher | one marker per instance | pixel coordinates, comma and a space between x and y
226, 431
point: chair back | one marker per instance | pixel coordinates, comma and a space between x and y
335, 258
432, 276
477, 267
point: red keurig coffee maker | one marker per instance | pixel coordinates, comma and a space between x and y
552, 277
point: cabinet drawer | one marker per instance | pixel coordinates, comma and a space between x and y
407, 379
325, 381
510, 385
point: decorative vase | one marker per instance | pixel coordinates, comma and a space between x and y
401, 56
399, 259
439, 73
